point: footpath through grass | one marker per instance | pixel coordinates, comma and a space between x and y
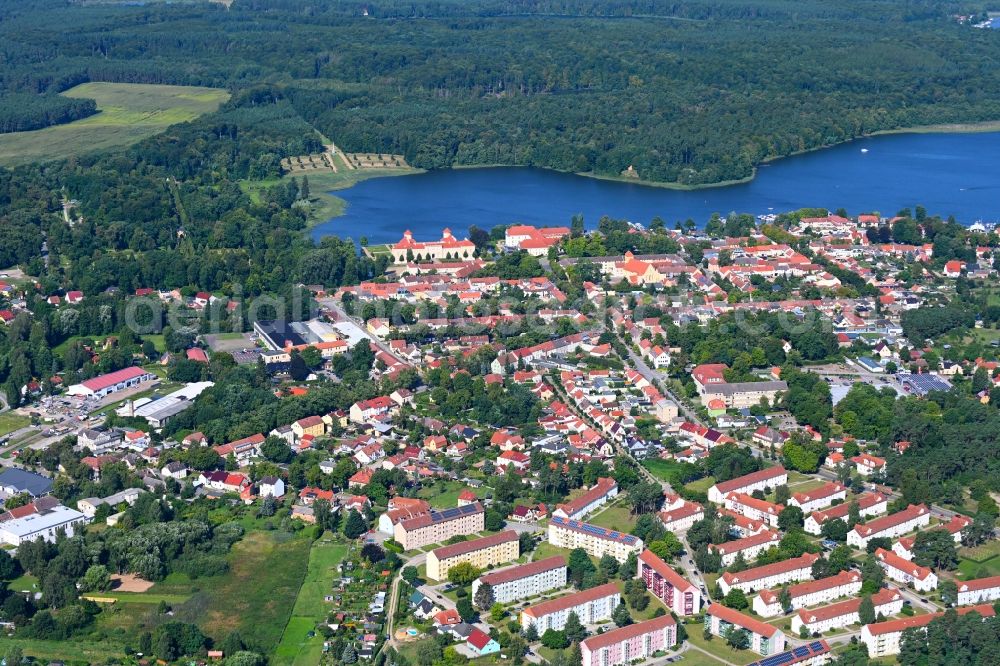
127, 113
296, 646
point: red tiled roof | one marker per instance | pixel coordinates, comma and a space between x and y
884, 596
104, 381
741, 620
630, 631
524, 570
444, 552
768, 570
748, 479
571, 600
893, 519
659, 566
892, 626
979, 584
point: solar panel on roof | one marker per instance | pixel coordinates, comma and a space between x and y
816, 647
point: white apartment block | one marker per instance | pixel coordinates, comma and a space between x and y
820, 498
883, 638
897, 524
772, 477
869, 504
888, 602
753, 508
524, 581
765, 639
906, 572
979, 591
809, 593
750, 546
769, 575
591, 606
597, 541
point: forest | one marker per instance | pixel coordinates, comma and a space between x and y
692, 93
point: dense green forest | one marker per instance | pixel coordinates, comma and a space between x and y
692, 92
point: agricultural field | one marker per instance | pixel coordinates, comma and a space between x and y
127, 113
296, 646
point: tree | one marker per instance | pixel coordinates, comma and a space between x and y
484, 596
609, 565
97, 579
790, 518
935, 549
872, 574
785, 598
411, 575
14, 656
355, 525
372, 553
948, 590
464, 573
578, 566
575, 656
866, 611
429, 653
531, 633
645, 497
349, 655
573, 629
276, 450
497, 611
494, 521
737, 639
554, 640
834, 530
465, 610
621, 616
735, 598
978, 532
297, 368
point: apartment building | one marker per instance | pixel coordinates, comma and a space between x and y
750, 546
883, 638
481, 553
598, 495
809, 593
438, 526
888, 602
869, 504
814, 653
897, 524
769, 575
591, 606
765, 639
679, 594
979, 591
679, 514
630, 643
764, 479
820, 498
906, 572
753, 508
597, 541
524, 581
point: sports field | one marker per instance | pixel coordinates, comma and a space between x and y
127, 113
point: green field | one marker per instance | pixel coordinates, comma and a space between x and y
9, 422
982, 559
127, 113
296, 647
616, 517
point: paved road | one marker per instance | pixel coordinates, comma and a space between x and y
342, 315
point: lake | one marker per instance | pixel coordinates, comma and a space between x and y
949, 174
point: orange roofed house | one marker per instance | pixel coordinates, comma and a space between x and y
449, 247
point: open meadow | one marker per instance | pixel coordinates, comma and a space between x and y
127, 113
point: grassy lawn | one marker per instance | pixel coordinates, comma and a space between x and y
717, 646
27, 582
442, 495
695, 658
127, 113
615, 517
9, 422
71, 650
983, 559
144, 597
546, 549
701, 485
157, 341
296, 647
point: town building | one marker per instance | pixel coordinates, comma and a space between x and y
816, 653
887, 602
591, 606
597, 541
897, 524
438, 526
103, 385
598, 495
753, 508
679, 514
809, 593
448, 248
869, 504
868, 465
481, 553
750, 546
819, 498
906, 572
46, 525
628, 644
769, 575
89, 505
978, 591
15, 481
526, 580
883, 638
679, 594
765, 479
765, 639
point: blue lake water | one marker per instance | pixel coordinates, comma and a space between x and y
949, 174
